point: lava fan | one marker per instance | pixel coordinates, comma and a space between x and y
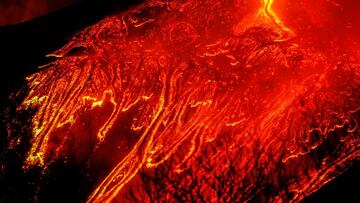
197, 101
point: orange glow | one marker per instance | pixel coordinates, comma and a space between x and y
270, 108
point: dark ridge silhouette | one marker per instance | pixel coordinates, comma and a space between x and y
23, 46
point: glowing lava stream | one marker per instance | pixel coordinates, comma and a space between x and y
284, 32
42, 129
266, 113
130, 166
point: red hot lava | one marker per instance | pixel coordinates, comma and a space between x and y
205, 101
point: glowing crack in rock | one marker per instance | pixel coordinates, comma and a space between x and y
213, 114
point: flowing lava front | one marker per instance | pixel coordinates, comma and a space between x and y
204, 101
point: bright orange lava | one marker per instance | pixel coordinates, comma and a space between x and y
212, 103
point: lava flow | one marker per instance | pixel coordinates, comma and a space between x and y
204, 101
